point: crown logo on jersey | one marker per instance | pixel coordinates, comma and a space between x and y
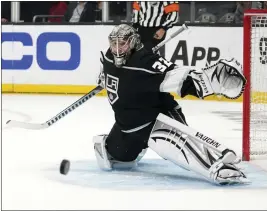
112, 84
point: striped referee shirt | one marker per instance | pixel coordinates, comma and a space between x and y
155, 14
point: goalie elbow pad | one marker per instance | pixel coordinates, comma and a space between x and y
223, 78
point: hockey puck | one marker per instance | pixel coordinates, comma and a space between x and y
64, 167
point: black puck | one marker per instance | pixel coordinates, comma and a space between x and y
64, 167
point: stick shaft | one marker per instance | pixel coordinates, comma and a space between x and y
179, 31
74, 105
60, 115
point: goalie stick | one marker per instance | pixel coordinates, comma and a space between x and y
66, 111
82, 100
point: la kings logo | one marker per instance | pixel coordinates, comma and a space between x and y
112, 84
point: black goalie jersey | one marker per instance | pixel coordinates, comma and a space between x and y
134, 90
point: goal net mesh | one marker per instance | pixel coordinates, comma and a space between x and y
258, 87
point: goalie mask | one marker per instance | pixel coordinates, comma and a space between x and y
122, 40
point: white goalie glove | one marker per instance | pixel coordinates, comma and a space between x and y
224, 78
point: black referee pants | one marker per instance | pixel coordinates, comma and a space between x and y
147, 38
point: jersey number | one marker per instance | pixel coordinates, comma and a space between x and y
161, 65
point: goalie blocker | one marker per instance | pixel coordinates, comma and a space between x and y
134, 80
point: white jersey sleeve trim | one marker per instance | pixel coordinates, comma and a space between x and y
174, 79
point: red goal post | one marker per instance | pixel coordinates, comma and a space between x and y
255, 94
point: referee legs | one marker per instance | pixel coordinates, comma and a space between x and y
147, 37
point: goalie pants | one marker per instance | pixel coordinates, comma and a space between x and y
126, 147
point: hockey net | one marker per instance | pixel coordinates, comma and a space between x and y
255, 95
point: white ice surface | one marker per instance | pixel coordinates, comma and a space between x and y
30, 161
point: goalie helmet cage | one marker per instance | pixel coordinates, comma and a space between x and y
255, 94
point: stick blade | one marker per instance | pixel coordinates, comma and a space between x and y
26, 125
